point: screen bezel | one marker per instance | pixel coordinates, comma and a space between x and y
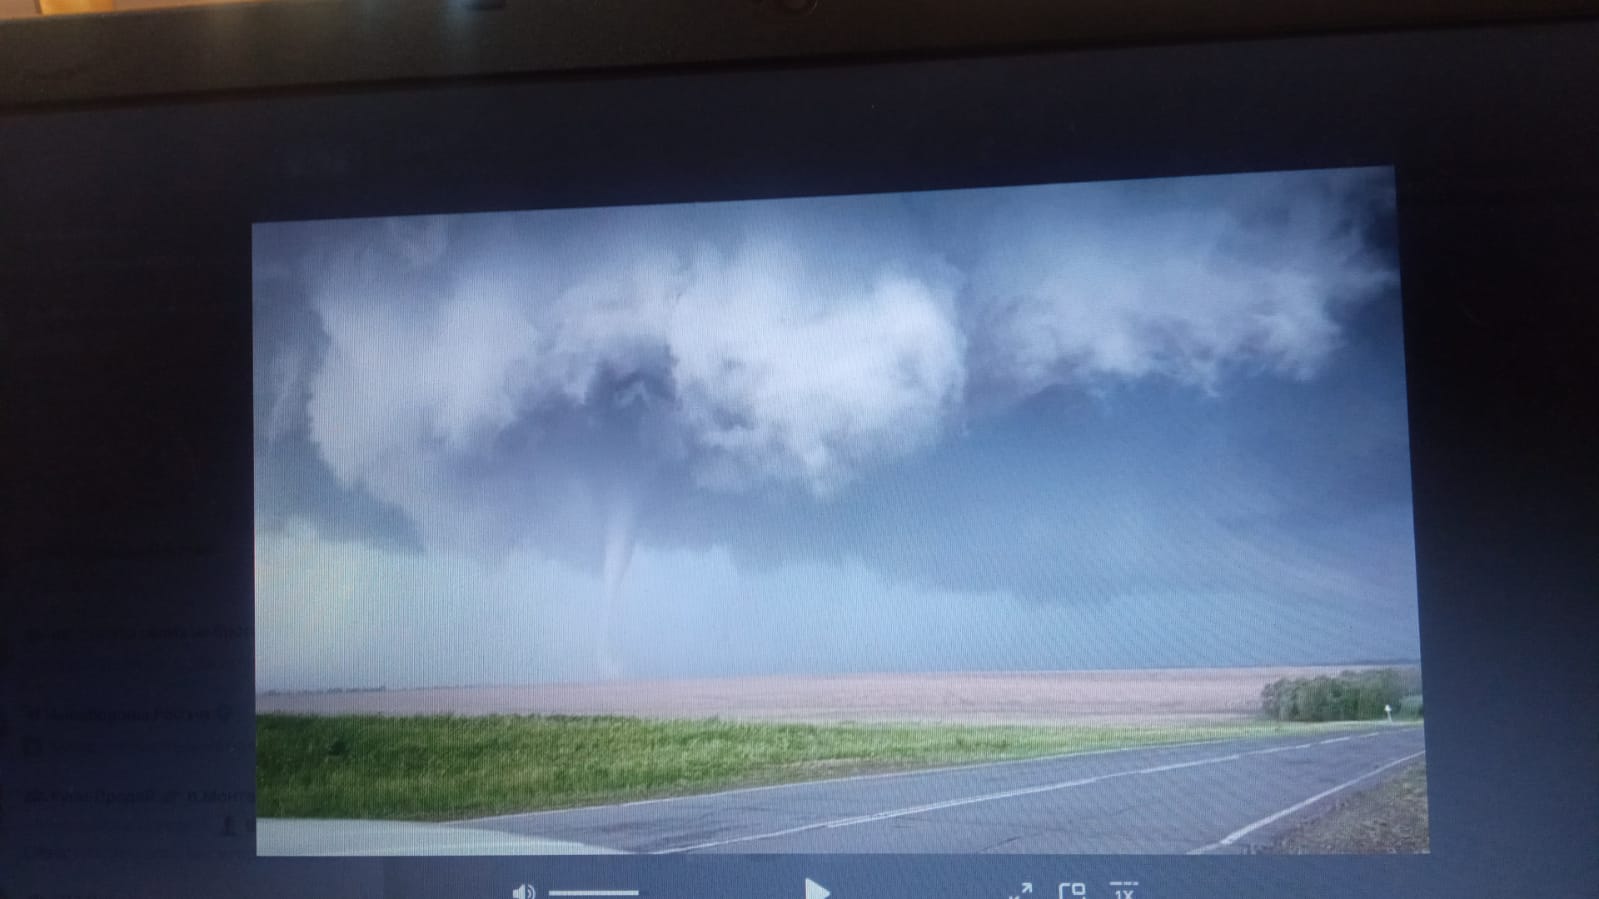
1492, 133
54, 61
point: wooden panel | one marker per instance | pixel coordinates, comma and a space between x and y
19, 9
16, 9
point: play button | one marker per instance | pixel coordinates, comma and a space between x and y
814, 890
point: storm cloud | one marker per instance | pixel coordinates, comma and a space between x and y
1032, 397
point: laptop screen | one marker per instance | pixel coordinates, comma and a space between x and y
1042, 473
845, 504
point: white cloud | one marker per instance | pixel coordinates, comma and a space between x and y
1079, 284
791, 345
774, 382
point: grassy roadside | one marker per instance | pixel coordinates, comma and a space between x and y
1389, 818
442, 767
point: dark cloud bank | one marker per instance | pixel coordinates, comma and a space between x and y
1151, 405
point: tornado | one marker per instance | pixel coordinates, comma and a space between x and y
620, 536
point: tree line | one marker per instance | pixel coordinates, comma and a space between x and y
1351, 696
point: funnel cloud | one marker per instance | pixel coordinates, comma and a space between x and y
1124, 424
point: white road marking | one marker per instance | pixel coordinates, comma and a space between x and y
1280, 749
1006, 794
1178, 766
1242, 832
968, 800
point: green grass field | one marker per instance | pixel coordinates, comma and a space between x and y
441, 767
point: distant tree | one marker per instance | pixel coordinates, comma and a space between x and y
1351, 696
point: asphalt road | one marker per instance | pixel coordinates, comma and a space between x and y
1210, 797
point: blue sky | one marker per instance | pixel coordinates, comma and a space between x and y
1128, 424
